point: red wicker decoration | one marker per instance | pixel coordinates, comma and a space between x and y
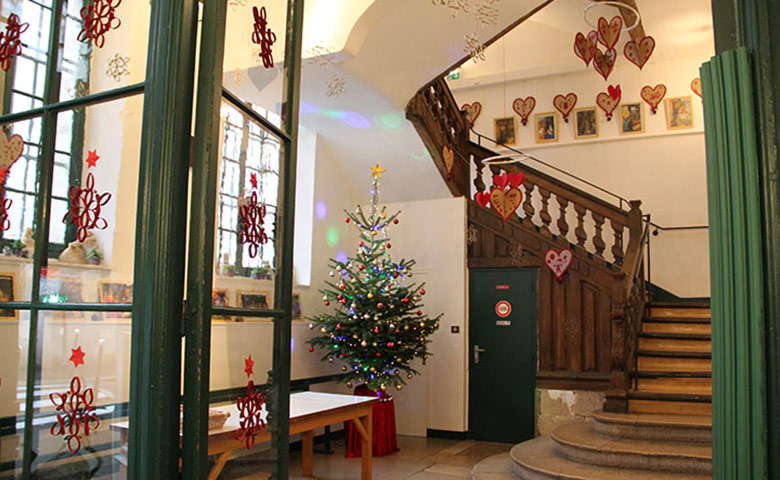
86, 204
98, 19
250, 415
252, 216
263, 36
10, 43
76, 416
5, 204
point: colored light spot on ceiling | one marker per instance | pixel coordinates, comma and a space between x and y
390, 121
350, 119
333, 237
321, 210
341, 257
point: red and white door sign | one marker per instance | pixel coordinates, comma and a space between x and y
503, 309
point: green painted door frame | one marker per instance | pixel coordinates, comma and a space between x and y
753, 25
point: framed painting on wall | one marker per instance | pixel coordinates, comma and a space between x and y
586, 123
219, 298
506, 133
679, 113
546, 127
115, 292
632, 118
254, 300
8, 294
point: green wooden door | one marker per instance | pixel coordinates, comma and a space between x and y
502, 349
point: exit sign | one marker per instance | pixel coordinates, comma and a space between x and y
454, 75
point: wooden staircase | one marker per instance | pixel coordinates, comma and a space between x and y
674, 365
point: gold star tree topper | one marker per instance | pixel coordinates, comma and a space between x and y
377, 171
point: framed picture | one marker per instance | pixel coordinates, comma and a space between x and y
64, 289
546, 127
506, 132
679, 113
115, 292
632, 118
7, 294
297, 313
254, 300
219, 298
586, 123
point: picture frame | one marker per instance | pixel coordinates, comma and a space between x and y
632, 118
8, 294
586, 123
110, 291
546, 127
505, 130
254, 300
64, 289
679, 112
297, 311
220, 298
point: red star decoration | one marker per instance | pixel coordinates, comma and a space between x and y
248, 364
92, 158
77, 356
253, 180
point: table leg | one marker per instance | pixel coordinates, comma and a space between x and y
307, 457
367, 447
219, 465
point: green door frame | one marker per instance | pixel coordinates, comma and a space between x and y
755, 25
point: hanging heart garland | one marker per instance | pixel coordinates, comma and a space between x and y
482, 198
696, 86
11, 149
604, 63
472, 111
609, 100
565, 104
653, 96
639, 53
524, 107
558, 262
585, 47
609, 32
505, 201
448, 155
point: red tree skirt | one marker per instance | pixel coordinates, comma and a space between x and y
384, 439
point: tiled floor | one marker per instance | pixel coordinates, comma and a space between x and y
418, 459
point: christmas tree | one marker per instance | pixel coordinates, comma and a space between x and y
378, 327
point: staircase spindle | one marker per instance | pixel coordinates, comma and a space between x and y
528, 208
544, 213
579, 232
563, 225
617, 247
598, 240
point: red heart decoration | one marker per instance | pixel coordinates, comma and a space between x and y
639, 54
515, 179
653, 95
524, 107
500, 181
11, 148
609, 101
558, 262
615, 92
482, 198
472, 111
696, 86
604, 63
448, 155
610, 32
585, 46
565, 104
505, 203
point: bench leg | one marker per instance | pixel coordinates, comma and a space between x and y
307, 457
219, 465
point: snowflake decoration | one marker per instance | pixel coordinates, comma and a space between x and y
518, 256
335, 86
98, 19
474, 48
118, 67
237, 3
82, 90
250, 410
237, 77
487, 13
252, 216
256, 54
455, 6
263, 36
319, 55
76, 417
85, 208
472, 235
10, 41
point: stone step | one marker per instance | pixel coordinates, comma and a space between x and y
497, 467
578, 441
666, 407
683, 312
650, 326
690, 385
536, 460
643, 426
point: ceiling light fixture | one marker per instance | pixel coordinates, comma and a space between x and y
619, 5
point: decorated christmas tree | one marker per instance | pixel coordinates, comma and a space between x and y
378, 327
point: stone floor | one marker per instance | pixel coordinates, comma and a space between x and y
418, 459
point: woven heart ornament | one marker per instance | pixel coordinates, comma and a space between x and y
565, 104
524, 107
558, 262
639, 53
610, 32
609, 100
604, 63
472, 111
448, 155
11, 149
585, 47
653, 95
505, 203
696, 86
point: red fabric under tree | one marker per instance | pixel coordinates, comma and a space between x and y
384, 437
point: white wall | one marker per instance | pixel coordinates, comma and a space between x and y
665, 169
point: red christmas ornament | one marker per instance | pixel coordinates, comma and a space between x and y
347, 220
338, 327
77, 357
360, 267
253, 180
76, 417
263, 36
92, 158
395, 221
389, 245
311, 349
378, 354
85, 208
327, 303
405, 300
98, 19
343, 301
390, 344
250, 415
380, 305
376, 329
248, 366
422, 291
419, 312
397, 331
252, 216
10, 43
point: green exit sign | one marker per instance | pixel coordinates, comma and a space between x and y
454, 75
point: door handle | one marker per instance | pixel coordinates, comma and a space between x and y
477, 351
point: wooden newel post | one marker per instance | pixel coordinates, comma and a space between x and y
635, 220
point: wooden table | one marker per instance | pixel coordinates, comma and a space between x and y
308, 411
